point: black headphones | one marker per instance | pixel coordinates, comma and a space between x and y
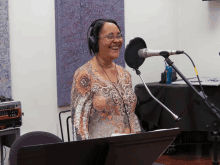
93, 40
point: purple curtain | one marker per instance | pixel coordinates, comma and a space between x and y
5, 64
73, 18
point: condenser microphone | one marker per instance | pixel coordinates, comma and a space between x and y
144, 53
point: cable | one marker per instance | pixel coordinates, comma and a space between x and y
198, 78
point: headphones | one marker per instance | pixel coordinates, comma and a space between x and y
93, 40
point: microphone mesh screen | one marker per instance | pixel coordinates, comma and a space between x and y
131, 52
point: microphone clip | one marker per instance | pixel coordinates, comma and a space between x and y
165, 54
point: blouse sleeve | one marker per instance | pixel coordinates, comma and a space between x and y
81, 104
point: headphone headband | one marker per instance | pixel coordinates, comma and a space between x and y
92, 25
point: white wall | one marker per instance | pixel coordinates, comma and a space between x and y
199, 36
192, 26
33, 62
156, 22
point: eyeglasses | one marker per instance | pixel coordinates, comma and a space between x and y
112, 37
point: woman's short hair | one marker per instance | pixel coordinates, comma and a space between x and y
93, 39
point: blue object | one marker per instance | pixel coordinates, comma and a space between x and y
169, 74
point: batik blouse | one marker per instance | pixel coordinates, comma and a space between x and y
98, 109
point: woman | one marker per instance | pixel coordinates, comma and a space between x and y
102, 100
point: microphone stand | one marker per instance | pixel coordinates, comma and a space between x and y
216, 123
174, 115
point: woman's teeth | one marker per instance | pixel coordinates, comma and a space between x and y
114, 48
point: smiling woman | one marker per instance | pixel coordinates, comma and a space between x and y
102, 99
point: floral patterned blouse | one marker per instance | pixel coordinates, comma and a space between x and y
97, 109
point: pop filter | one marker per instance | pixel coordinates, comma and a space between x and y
131, 52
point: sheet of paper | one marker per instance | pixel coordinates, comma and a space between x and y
118, 134
208, 81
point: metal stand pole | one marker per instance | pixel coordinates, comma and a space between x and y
215, 161
215, 127
213, 109
174, 115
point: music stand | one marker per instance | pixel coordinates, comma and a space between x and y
133, 149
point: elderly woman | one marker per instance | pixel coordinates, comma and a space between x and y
102, 99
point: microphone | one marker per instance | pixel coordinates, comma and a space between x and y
134, 60
144, 53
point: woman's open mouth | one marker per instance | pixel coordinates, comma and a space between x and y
114, 47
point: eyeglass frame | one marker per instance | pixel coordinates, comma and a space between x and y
107, 36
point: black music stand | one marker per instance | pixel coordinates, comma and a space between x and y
133, 149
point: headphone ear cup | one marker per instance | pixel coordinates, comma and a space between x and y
93, 44
93, 41
96, 46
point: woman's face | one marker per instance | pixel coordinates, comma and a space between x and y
109, 48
